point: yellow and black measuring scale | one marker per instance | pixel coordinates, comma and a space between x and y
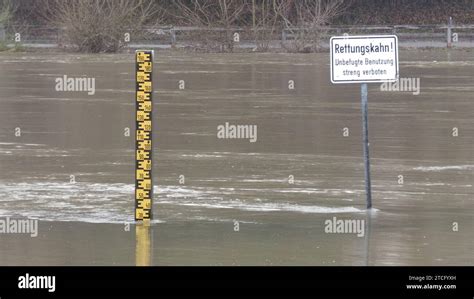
143, 155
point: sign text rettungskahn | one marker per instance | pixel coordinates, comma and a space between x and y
364, 59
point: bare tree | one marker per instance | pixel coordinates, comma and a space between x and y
265, 21
304, 21
100, 25
5, 12
14, 22
218, 17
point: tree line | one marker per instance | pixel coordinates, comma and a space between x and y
99, 25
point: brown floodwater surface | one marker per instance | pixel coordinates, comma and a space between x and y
241, 202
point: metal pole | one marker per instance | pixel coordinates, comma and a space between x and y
365, 133
173, 37
449, 34
368, 226
2, 33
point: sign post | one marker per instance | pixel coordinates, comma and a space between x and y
365, 141
364, 59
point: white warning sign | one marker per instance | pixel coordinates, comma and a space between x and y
364, 59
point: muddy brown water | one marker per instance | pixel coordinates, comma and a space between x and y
72, 166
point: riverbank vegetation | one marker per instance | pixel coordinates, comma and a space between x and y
107, 25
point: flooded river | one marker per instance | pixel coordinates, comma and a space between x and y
67, 160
